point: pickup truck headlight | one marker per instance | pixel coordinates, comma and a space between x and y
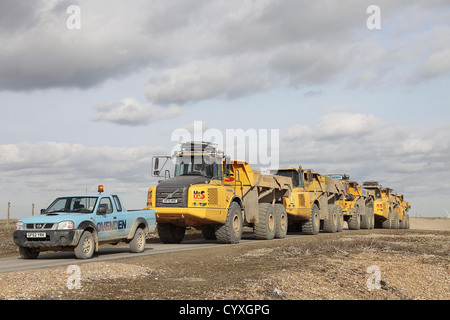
19, 226
65, 225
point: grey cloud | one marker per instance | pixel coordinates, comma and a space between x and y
215, 49
131, 112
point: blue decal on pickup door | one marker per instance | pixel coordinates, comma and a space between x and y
112, 225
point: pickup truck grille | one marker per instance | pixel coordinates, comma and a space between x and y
171, 197
39, 226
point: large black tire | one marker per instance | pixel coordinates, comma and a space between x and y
367, 219
330, 224
170, 233
354, 223
281, 221
340, 218
29, 253
395, 221
264, 229
231, 231
137, 244
312, 226
387, 224
407, 221
86, 246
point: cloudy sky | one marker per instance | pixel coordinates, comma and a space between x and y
89, 101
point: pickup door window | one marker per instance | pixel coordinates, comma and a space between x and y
107, 224
124, 220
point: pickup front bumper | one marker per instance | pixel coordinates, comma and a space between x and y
53, 238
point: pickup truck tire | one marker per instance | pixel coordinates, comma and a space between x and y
86, 246
170, 233
231, 231
29, 253
137, 244
264, 229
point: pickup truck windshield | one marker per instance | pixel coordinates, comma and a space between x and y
73, 204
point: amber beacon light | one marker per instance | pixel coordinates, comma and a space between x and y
100, 188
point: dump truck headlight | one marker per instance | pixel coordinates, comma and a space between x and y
65, 225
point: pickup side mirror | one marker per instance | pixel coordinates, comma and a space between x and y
101, 210
42, 211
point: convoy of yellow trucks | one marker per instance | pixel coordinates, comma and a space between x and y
220, 196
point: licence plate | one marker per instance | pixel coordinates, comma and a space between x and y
170, 200
36, 234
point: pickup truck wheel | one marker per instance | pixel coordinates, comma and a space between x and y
170, 233
85, 247
29, 253
137, 244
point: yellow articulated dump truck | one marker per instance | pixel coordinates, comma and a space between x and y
401, 207
217, 195
385, 206
313, 202
357, 206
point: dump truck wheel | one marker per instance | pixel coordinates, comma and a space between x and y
340, 218
367, 218
387, 224
170, 233
29, 253
264, 229
231, 231
395, 221
354, 223
330, 224
407, 221
86, 246
312, 226
281, 221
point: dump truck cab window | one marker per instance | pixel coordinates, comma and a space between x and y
205, 167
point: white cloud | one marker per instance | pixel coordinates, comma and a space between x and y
129, 111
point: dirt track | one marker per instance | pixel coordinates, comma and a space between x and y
413, 264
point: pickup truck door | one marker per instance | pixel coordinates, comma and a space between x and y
106, 223
124, 221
